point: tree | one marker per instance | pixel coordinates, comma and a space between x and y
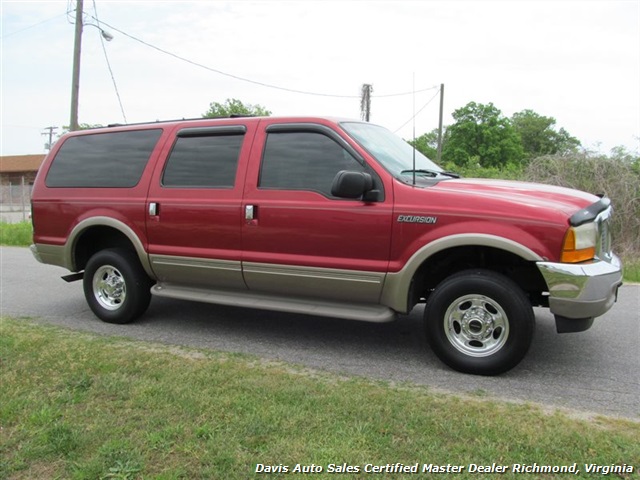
233, 106
482, 135
82, 126
539, 136
427, 144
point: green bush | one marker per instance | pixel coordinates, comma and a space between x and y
16, 234
616, 177
472, 169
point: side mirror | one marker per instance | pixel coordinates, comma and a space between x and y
348, 184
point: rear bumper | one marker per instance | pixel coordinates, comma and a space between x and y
582, 291
50, 254
35, 253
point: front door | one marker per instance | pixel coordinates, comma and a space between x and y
299, 240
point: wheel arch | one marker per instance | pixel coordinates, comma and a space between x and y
433, 262
97, 233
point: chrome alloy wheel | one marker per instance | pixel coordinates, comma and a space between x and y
109, 287
476, 325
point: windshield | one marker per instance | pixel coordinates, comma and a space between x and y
395, 154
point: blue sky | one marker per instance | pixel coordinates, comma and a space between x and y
577, 61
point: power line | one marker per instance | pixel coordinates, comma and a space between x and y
418, 112
166, 52
50, 131
220, 72
32, 26
248, 80
70, 9
106, 57
406, 93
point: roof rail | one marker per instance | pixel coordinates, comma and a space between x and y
233, 115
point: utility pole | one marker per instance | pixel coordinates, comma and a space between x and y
365, 102
75, 81
50, 133
439, 154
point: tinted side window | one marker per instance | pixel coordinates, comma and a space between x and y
103, 159
208, 161
303, 161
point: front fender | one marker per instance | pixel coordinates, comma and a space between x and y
395, 292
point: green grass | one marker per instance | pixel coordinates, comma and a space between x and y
79, 406
16, 234
632, 271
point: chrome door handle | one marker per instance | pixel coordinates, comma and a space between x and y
248, 212
153, 209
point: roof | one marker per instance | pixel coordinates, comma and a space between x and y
204, 122
20, 163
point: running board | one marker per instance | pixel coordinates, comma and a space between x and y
73, 277
280, 303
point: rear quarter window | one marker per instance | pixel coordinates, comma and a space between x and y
103, 160
203, 162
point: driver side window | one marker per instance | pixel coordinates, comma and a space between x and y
303, 161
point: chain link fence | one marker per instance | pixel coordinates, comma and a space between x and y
16, 201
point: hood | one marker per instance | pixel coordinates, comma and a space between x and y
520, 194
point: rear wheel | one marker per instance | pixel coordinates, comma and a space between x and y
116, 287
479, 322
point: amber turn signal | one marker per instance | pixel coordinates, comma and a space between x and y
578, 245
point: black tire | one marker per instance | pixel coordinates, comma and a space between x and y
479, 322
116, 287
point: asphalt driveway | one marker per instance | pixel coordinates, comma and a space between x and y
597, 371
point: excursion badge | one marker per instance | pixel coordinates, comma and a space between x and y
417, 219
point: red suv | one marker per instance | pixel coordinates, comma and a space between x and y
320, 216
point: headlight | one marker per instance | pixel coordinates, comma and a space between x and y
579, 244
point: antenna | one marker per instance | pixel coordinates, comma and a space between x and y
439, 151
414, 127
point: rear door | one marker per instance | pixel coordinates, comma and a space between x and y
194, 216
298, 239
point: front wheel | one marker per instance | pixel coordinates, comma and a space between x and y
479, 322
116, 286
